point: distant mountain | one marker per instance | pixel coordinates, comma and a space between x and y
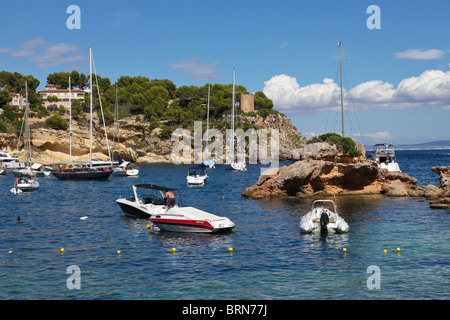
439, 144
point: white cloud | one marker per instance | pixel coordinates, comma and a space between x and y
195, 68
28, 47
3, 50
429, 89
56, 55
420, 54
288, 96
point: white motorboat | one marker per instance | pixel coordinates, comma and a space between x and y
174, 218
126, 169
10, 162
384, 155
322, 218
239, 166
25, 184
196, 176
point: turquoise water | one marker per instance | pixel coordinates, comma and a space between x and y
270, 260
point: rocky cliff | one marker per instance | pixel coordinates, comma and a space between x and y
137, 143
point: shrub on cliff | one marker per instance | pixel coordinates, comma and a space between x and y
57, 122
343, 144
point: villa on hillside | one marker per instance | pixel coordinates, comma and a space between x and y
61, 94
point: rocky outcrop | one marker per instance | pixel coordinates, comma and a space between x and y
324, 171
439, 197
137, 142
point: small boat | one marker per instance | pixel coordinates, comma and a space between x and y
196, 176
384, 155
25, 184
167, 215
126, 169
9, 161
209, 164
323, 218
239, 166
36, 169
2, 169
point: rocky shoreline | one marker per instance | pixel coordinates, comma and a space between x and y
322, 171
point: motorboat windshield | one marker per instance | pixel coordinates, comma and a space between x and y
150, 193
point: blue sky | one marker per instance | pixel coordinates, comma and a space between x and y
396, 79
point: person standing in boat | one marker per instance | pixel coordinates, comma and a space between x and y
170, 199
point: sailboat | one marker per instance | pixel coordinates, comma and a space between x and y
93, 169
235, 165
28, 181
206, 163
125, 168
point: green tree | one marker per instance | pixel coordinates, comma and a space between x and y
57, 122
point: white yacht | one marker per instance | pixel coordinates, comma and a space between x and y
10, 162
196, 176
384, 155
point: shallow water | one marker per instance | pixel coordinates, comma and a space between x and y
271, 258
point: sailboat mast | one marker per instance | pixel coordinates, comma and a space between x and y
117, 117
232, 110
70, 120
27, 128
342, 94
207, 113
90, 102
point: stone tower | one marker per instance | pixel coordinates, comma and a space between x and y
247, 102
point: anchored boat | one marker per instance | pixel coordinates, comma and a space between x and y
168, 214
323, 218
384, 155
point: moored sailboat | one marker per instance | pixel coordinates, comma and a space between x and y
235, 164
85, 170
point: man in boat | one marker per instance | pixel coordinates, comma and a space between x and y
324, 219
170, 199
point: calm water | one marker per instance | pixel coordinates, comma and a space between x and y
271, 259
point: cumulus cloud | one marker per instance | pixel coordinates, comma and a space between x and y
196, 68
429, 89
288, 96
420, 54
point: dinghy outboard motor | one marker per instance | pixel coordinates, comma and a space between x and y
324, 219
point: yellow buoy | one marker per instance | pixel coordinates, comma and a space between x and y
174, 250
384, 250
398, 250
344, 250
10, 251
62, 250
230, 250
118, 251
149, 227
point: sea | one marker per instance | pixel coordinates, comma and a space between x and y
396, 248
